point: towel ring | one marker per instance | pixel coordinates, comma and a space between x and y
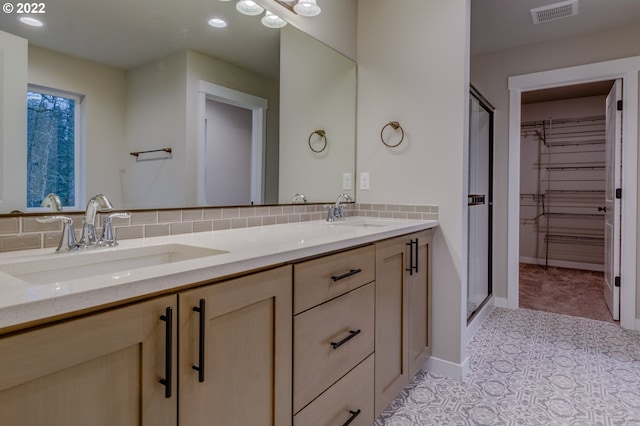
323, 135
395, 126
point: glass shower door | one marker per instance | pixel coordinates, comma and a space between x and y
479, 203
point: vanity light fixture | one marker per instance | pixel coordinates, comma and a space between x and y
217, 22
307, 8
27, 20
249, 7
273, 21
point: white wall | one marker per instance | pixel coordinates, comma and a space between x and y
413, 68
319, 94
490, 72
13, 122
202, 67
156, 119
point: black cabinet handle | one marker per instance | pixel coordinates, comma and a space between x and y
602, 209
416, 253
348, 274
413, 257
354, 414
410, 268
200, 366
168, 351
352, 334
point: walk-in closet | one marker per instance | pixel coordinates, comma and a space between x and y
562, 200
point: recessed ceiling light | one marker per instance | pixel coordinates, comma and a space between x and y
31, 21
217, 22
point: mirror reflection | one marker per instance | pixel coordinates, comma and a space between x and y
237, 107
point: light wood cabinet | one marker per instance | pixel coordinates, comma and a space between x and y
104, 369
239, 339
334, 301
348, 401
331, 340
402, 313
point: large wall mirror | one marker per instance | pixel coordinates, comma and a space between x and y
239, 106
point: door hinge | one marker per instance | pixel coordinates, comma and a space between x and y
616, 281
619, 105
618, 193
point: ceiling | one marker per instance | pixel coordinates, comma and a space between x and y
126, 34
506, 24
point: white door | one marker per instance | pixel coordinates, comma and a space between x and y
612, 204
228, 144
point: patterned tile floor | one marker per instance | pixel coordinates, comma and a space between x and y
532, 368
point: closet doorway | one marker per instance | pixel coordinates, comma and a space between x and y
569, 217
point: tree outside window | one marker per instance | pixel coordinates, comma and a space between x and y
52, 147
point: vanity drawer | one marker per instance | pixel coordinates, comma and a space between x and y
330, 340
350, 397
319, 280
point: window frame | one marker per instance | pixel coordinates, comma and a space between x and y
79, 146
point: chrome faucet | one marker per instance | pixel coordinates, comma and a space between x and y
98, 203
68, 237
53, 202
337, 211
108, 238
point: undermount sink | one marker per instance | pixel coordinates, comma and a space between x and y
364, 223
119, 261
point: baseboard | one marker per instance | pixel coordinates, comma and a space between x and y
501, 302
479, 318
564, 264
448, 369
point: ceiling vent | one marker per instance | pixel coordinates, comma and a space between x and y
551, 12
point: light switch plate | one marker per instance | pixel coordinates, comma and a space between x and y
347, 181
364, 180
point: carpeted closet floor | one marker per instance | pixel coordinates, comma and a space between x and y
564, 291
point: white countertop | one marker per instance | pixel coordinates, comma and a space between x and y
246, 249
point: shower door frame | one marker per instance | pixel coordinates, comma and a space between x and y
486, 105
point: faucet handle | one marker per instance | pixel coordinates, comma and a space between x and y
108, 238
68, 237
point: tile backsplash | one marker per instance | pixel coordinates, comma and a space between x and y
24, 232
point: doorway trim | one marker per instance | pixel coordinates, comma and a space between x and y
626, 69
258, 107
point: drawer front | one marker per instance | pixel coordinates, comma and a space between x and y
319, 280
330, 340
350, 398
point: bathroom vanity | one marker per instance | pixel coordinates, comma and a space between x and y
306, 324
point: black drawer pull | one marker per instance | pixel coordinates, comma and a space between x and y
354, 414
351, 335
200, 367
348, 274
168, 351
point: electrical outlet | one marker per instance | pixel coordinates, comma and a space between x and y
347, 181
364, 180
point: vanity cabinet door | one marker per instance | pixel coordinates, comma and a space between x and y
402, 313
99, 370
419, 296
392, 315
235, 351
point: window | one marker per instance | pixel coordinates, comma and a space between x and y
53, 146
